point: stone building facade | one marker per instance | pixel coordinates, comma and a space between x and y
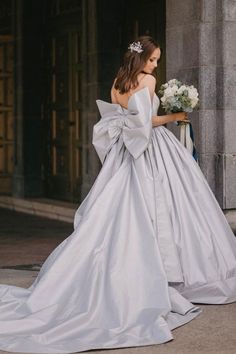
58, 56
201, 37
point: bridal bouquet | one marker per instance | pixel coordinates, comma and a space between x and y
177, 97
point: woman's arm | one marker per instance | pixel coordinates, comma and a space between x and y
167, 118
150, 82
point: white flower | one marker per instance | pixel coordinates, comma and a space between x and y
192, 93
163, 99
172, 82
175, 88
194, 102
171, 91
182, 89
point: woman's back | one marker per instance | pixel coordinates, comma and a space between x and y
144, 80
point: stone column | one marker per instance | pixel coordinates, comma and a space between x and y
201, 51
27, 181
226, 101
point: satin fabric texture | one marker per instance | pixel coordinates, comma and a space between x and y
149, 240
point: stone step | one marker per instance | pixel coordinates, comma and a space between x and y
48, 208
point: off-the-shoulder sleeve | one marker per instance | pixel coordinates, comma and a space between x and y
134, 124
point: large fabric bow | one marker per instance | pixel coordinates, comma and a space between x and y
133, 124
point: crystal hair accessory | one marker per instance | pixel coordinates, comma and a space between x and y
136, 47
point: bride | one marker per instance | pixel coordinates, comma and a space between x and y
149, 239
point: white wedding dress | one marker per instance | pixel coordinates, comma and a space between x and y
149, 239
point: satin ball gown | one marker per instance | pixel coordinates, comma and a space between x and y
149, 241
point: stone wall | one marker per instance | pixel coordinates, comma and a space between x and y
226, 100
201, 50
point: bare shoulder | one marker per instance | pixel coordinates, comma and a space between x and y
150, 82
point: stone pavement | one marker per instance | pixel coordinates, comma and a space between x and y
25, 242
28, 239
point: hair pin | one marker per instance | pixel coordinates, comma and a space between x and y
135, 47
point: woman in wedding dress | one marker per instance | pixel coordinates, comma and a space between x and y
149, 239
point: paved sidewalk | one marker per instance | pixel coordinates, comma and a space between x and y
27, 240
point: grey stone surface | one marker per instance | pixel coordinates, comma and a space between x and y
183, 46
207, 44
191, 45
210, 131
229, 10
22, 278
226, 181
29, 239
229, 84
201, 50
208, 162
219, 10
220, 130
230, 181
231, 218
219, 44
174, 43
207, 136
230, 132
207, 87
220, 187
220, 83
208, 10
188, 75
182, 12
229, 42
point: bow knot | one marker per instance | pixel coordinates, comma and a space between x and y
134, 124
115, 127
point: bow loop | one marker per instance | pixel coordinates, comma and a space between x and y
133, 124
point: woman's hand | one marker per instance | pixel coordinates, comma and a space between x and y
168, 118
180, 116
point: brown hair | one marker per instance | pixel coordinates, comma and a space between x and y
133, 64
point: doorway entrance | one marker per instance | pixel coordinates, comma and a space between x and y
6, 114
64, 148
